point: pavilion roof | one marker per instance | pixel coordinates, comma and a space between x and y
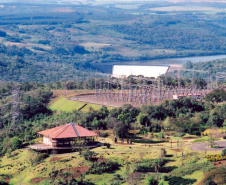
70, 130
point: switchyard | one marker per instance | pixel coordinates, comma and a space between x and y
111, 91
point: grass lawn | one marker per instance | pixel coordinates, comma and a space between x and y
63, 104
66, 105
198, 175
205, 138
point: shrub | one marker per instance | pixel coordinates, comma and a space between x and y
216, 157
41, 157
162, 152
3, 182
116, 139
101, 167
150, 165
210, 182
103, 134
87, 154
150, 181
147, 141
189, 168
15, 143
161, 135
223, 153
108, 145
217, 175
179, 134
164, 178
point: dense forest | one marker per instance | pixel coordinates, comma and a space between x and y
60, 42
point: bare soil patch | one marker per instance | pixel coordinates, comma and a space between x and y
77, 171
220, 163
61, 93
38, 180
56, 159
98, 159
176, 150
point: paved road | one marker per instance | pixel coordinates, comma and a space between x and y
202, 146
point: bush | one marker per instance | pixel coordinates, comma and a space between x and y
161, 135
164, 178
189, 168
103, 134
108, 145
149, 165
147, 141
116, 139
3, 182
217, 175
87, 154
179, 134
210, 182
223, 153
216, 157
162, 152
103, 167
150, 181
41, 157
15, 143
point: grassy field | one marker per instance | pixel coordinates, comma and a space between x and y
66, 105
63, 104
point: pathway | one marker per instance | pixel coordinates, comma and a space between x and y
202, 146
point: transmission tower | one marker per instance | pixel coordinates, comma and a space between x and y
15, 111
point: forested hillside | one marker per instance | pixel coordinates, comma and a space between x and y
61, 42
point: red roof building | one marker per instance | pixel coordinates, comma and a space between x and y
65, 135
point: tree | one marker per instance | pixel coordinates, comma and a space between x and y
167, 123
157, 164
162, 152
211, 141
223, 153
188, 65
87, 154
218, 95
121, 130
200, 83
15, 143
210, 182
143, 120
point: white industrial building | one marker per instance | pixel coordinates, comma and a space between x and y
146, 71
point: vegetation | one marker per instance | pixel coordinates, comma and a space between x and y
59, 48
48, 45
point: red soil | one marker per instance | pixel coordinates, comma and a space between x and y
77, 171
98, 159
220, 163
55, 159
176, 150
38, 180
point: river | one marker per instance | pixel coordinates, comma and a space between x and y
107, 67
